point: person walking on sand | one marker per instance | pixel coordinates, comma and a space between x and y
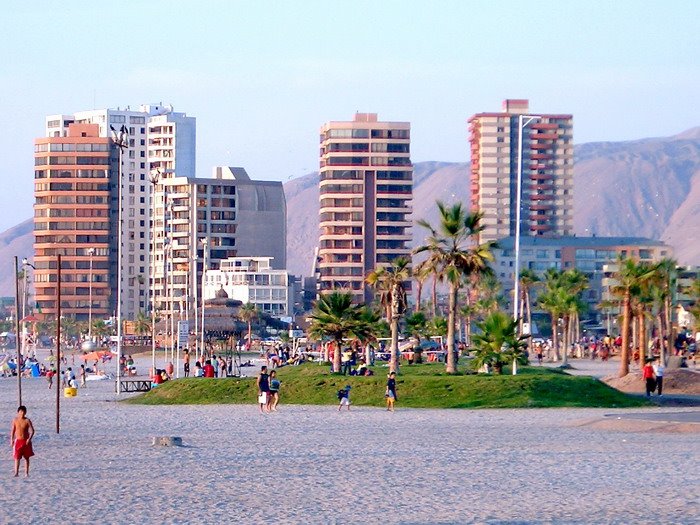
649, 378
390, 391
344, 397
274, 399
263, 384
49, 376
21, 439
659, 373
83, 377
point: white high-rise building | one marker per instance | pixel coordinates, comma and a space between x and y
159, 139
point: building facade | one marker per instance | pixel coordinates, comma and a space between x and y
366, 191
253, 280
74, 177
594, 256
547, 172
158, 139
228, 215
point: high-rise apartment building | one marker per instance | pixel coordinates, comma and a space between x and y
159, 139
73, 174
366, 188
547, 172
228, 215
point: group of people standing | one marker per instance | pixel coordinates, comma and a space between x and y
268, 390
653, 376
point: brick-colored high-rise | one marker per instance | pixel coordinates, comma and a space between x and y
548, 172
366, 188
72, 176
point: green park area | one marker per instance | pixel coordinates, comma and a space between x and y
418, 386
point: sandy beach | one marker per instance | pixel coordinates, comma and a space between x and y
315, 465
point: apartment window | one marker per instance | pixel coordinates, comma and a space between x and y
117, 119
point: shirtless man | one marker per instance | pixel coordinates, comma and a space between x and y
21, 439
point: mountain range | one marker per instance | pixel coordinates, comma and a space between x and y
641, 188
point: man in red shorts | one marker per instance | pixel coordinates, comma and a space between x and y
21, 439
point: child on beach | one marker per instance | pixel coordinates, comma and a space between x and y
21, 439
344, 397
390, 391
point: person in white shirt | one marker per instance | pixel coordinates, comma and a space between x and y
659, 373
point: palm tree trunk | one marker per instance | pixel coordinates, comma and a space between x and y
419, 293
555, 337
641, 337
625, 350
529, 319
434, 296
565, 336
451, 367
670, 336
393, 361
336, 355
661, 334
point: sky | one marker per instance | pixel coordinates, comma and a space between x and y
261, 77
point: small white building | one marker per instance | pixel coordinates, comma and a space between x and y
253, 280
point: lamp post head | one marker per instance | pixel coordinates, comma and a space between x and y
154, 176
24, 261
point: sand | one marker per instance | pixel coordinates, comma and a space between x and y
315, 465
676, 381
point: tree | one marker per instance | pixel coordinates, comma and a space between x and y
248, 313
420, 273
497, 343
336, 317
389, 282
630, 277
694, 292
528, 281
667, 276
453, 252
142, 324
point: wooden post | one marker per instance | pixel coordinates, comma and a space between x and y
58, 347
18, 342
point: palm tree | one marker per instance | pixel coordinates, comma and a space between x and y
554, 301
421, 272
389, 282
142, 323
630, 277
667, 275
335, 316
528, 280
453, 252
498, 342
694, 292
575, 282
248, 313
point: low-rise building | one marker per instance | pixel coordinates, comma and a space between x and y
594, 256
253, 280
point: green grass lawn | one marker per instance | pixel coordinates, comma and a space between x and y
418, 386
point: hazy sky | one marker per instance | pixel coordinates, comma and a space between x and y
261, 77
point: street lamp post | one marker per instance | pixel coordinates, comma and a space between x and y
523, 121
25, 299
91, 252
205, 246
17, 336
153, 177
121, 140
